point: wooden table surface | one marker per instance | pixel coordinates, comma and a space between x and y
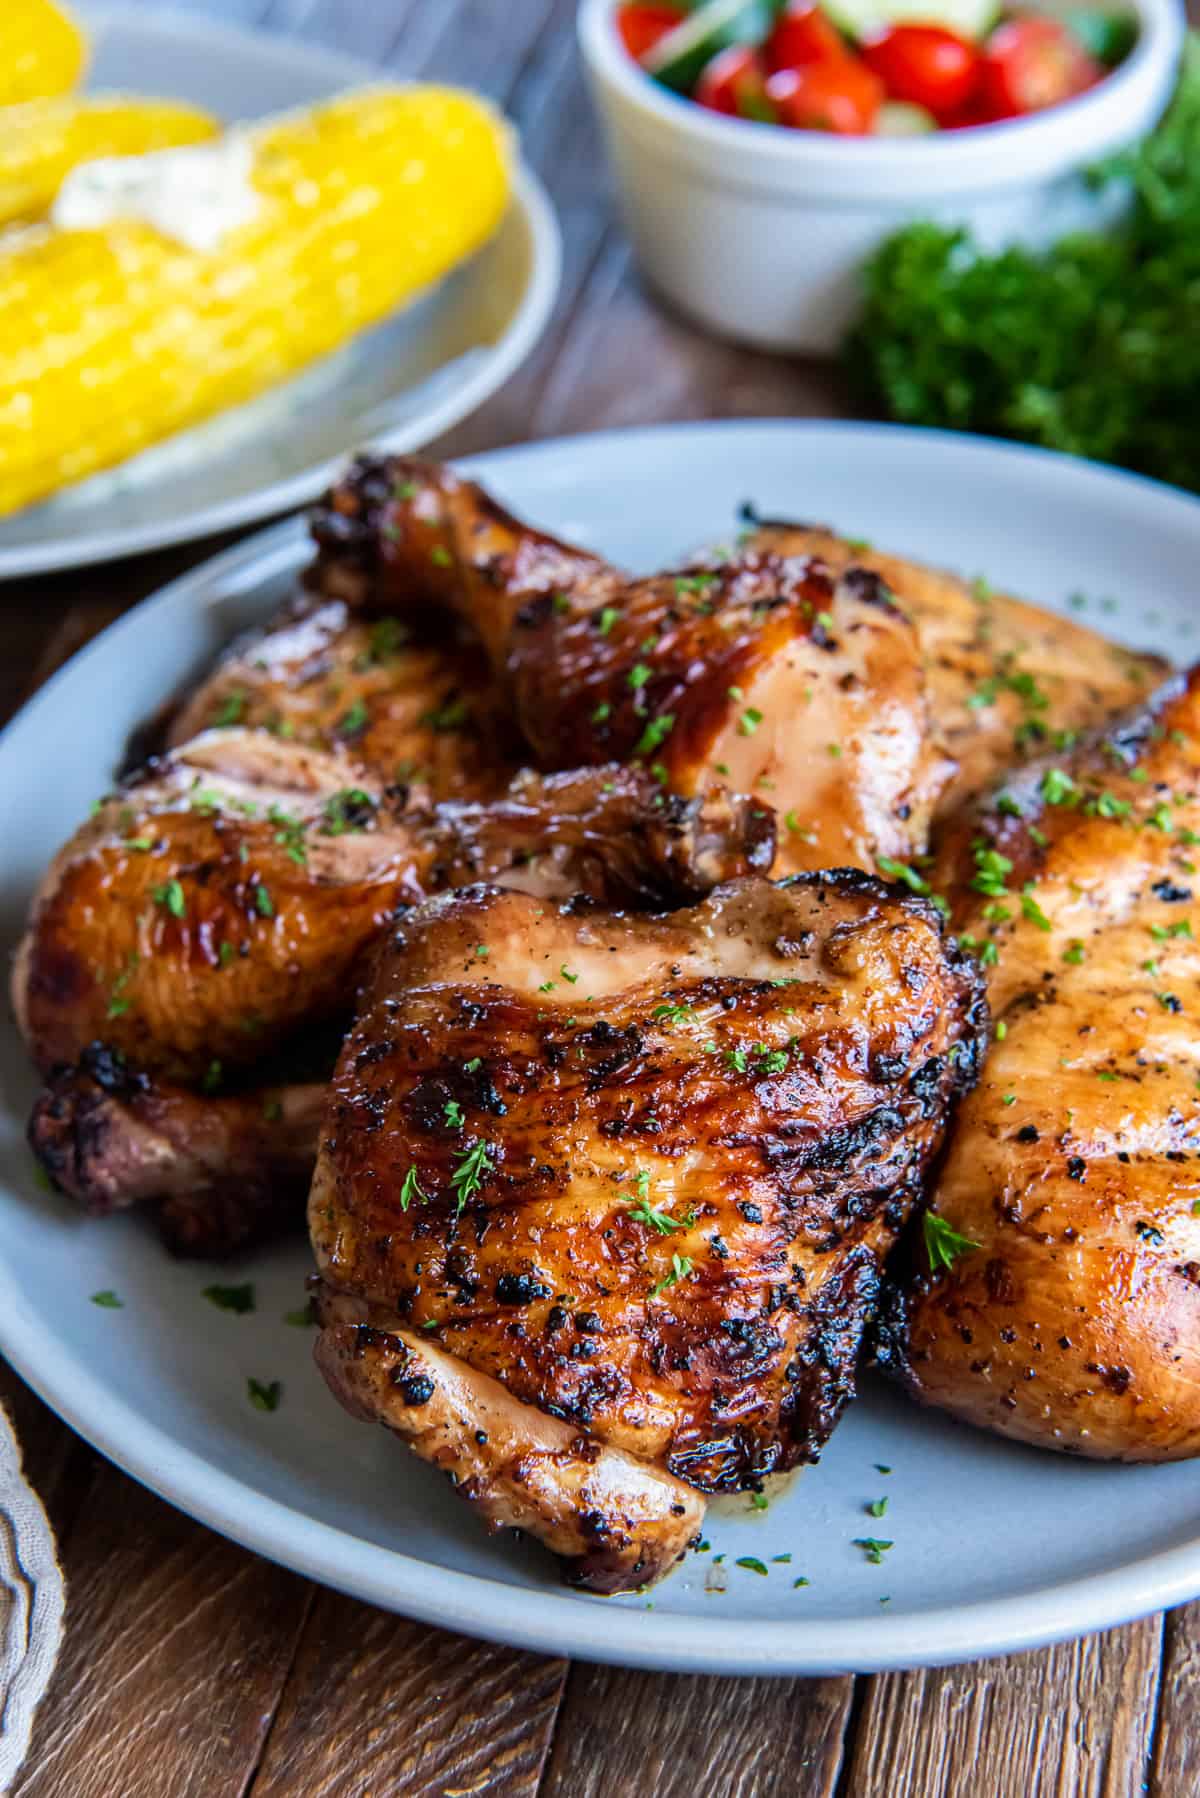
192, 1669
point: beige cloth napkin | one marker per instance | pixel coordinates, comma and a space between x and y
31, 1605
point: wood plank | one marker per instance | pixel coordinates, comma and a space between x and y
376, 1704
1073, 1721
688, 1736
1176, 1768
177, 1645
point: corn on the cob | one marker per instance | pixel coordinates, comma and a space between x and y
112, 339
42, 51
43, 140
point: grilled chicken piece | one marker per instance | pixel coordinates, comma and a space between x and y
1006, 679
764, 673
1065, 1309
213, 909
634, 1174
224, 1172
427, 715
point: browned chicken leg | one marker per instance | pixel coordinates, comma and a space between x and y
218, 905
602, 1200
1057, 1295
764, 674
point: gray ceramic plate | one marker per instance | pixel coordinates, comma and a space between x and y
399, 385
996, 1546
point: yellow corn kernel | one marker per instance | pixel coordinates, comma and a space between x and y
112, 339
42, 141
42, 51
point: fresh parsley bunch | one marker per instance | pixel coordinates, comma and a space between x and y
1092, 347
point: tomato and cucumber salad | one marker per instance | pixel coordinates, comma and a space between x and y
886, 67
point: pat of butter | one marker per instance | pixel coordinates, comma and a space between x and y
196, 195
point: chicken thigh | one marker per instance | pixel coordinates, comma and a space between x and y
1056, 1296
602, 1200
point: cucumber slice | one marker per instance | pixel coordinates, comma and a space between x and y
678, 59
899, 118
866, 18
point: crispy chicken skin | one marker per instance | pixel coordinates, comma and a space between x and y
217, 906
425, 714
640, 1170
224, 1172
1006, 679
763, 673
1072, 1317
615, 1519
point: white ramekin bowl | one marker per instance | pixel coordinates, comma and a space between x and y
759, 233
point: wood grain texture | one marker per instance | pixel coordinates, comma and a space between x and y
691, 1736
176, 1647
378, 1705
1176, 1765
1073, 1721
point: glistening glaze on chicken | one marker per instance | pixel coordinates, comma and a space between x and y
1006, 679
1069, 1315
642, 1171
765, 674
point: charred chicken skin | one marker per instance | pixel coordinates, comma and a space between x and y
1062, 1306
602, 1200
764, 674
1006, 679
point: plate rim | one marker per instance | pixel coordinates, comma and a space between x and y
551, 1620
497, 363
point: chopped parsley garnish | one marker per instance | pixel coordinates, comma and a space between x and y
991, 870
452, 1112
759, 1501
656, 732
230, 709
263, 903
681, 1267
440, 556
749, 721
238, 1299
873, 1548
672, 1013
1058, 788
662, 1221
1107, 806
170, 895
108, 1300
943, 1244
902, 872
752, 1564
290, 833
264, 1397
350, 809
353, 720
302, 1319
568, 976
608, 617
474, 1165
412, 1190
638, 675
877, 1507
1032, 910
1074, 952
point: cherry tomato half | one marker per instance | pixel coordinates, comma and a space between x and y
641, 27
735, 83
926, 65
802, 35
840, 95
1029, 64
